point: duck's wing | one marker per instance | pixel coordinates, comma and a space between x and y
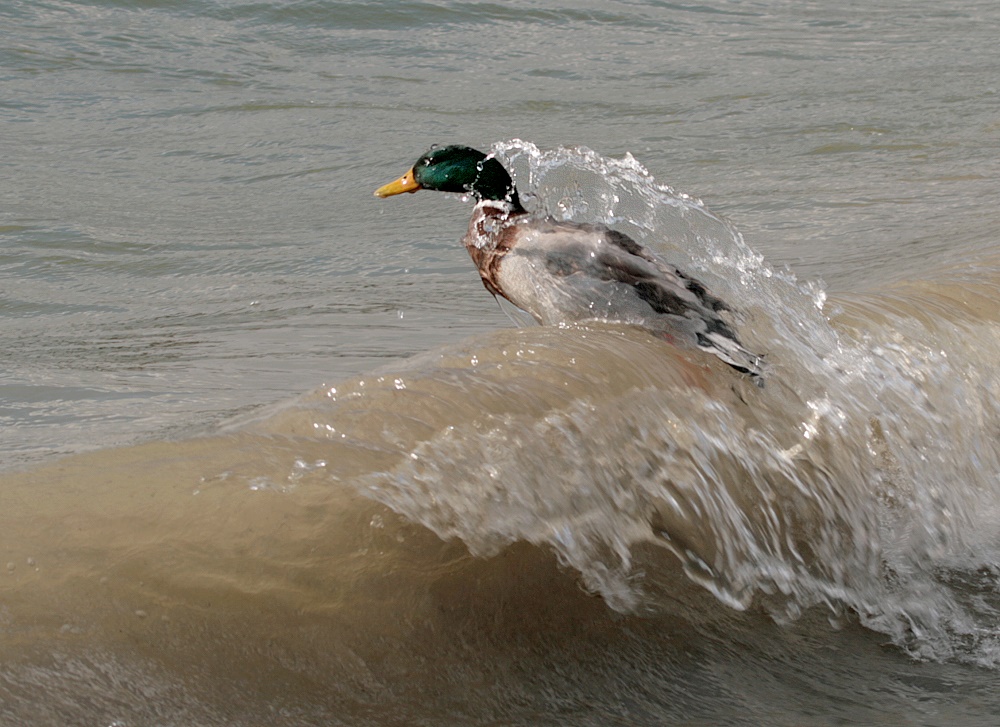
674, 277
663, 286
669, 291
601, 253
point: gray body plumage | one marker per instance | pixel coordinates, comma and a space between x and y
562, 272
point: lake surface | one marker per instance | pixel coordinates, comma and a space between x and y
272, 455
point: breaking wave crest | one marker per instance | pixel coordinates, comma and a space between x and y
861, 477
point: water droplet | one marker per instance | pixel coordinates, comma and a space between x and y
259, 484
398, 383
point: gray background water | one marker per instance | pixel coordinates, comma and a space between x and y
187, 232
185, 199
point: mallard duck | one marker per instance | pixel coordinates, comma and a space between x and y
566, 271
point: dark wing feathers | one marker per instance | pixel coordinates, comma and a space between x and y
626, 243
670, 292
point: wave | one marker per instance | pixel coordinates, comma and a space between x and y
861, 479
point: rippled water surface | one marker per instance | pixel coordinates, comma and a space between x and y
317, 475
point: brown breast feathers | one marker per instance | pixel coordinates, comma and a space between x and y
491, 235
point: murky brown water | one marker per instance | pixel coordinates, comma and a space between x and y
529, 526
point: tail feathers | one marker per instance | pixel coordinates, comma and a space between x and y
732, 352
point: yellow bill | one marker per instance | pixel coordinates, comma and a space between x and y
406, 183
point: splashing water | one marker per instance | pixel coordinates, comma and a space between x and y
862, 477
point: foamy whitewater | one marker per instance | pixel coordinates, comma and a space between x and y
859, 477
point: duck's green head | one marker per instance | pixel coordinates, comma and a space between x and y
459, 169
